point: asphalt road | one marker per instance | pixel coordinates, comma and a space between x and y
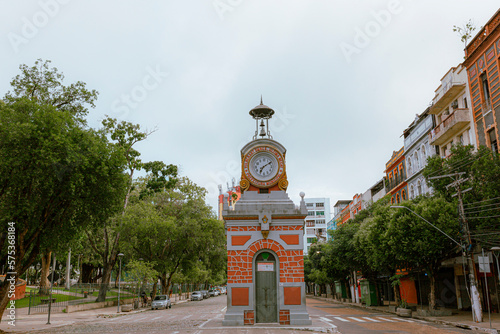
205, 317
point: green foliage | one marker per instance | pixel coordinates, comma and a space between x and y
465, 31
175, 228
141, 271
44, 86
481, 204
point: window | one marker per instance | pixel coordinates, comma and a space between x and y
320, 213
320, 221
486, 92
424, 153
310, 223
392, 200
309, 204
415, 158
408, 163
398, 200
403, 194
310, 213
320, 205
461, 139
412, 192
310, 231
311, 240
419, 188
493, 140
465, 103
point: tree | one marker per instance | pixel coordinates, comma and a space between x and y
105, 239
157, 228
465, 31
56, 177
481, 203
417, 244
44, 85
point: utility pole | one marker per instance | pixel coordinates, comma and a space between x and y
477, 312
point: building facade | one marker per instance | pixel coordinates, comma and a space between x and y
318, 214
417, 149
482, 60
396, 177
453, 117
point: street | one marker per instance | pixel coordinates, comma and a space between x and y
205, 317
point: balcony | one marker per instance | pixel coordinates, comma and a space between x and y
445, 96
450, 126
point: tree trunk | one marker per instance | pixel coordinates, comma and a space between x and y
103, 289
397, 294
432, 293
155, 284
44, 275
164, 284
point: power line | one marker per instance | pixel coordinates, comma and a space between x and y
483, 217
486, 200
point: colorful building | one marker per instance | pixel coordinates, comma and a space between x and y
453, 117
395, 171
417, 150
264, 230
482, 60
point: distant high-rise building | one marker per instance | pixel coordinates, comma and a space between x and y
318, 215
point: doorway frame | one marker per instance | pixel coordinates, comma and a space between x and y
254, 278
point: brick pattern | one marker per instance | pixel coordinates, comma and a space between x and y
239, 263
284, 317
257, 228
249, 317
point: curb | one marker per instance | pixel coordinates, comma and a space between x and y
442, 322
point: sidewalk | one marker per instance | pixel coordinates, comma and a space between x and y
462, 319
38, 321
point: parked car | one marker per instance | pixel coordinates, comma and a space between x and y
197, 295
161, 301
205, 294
213, 293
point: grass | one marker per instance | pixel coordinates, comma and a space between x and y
24, 302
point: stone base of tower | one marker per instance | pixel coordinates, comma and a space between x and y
291, 308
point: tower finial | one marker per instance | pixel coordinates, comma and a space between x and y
261, 99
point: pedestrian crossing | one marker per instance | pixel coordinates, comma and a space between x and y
374, 318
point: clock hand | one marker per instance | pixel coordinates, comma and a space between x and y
261, 168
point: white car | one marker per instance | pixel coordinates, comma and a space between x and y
161, 301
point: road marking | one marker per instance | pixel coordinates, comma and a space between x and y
356, 319
407, 320
326, 319
187, 316
156, 318
203, 324
387, 319
223, 309
371, 319
341, 319
140, 319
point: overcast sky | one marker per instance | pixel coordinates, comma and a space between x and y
344, 77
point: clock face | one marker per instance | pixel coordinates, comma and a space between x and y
263, 166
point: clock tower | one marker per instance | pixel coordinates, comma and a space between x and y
265, 237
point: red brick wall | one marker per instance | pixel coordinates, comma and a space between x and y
239, 263
284, 317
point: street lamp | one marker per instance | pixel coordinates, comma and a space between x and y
119, 279
437, 228
494, 249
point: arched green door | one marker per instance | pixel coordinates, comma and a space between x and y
265, 288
